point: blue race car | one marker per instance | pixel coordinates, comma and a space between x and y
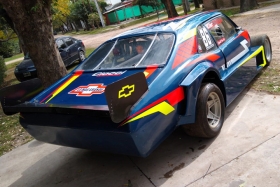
135, 89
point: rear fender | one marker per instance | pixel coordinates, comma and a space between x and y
191, 84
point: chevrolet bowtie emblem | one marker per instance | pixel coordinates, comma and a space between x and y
126, 91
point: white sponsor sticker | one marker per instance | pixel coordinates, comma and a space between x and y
104, 74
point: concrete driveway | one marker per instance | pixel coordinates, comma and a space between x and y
246, 153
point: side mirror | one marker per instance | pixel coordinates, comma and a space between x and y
238, 28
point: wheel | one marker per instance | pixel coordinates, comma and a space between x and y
81, 56
210, 110
265, 42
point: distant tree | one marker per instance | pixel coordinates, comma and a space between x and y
196, 3
32, 21
246, 5
60, 12
94, 19
186, 6
170, 8
102, 5
80, 9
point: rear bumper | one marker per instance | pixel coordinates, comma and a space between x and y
97, 133
103, 141
23, 76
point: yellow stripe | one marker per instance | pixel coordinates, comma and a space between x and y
63, 87
260, 49
146, 73
190, 34
163, 108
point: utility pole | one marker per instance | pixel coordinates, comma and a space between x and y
99, 13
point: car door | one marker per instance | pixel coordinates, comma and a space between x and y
64, 53
72, 49
235, 48
208, 48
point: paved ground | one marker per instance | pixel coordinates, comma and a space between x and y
246, 153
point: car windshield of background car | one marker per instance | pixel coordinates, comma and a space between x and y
140, 51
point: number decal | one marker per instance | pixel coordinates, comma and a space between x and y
206, 38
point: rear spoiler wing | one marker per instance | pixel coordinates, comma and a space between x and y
120, 95
14, 95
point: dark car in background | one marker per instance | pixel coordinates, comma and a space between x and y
70, 50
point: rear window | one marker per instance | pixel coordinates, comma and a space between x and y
132, 52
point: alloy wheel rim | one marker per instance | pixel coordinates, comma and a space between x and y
214, 110
82, 56
267, 49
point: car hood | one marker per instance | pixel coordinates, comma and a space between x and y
25, 64
87, 88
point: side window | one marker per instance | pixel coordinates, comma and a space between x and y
205, 41
60, 44
221, 29
68, 41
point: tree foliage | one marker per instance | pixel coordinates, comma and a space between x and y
3, 69
81, 9
6, 26
60, 12
94, 19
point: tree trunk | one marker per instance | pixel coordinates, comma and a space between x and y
33, 22
170, 8
196, 4
188, 6
184, 7
246, 5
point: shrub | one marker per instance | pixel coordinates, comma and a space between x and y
3, 69
6, 49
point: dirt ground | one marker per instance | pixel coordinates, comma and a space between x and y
265, 23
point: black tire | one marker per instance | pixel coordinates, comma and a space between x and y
265, 42
204, 126
82, 56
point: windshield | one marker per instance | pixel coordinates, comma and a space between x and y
131, 52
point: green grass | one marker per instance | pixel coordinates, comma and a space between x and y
268, 80
89, 51
13, 65
11, 133
231, 12
14, 57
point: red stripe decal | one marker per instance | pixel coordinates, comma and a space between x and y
209, 56
185, 51
213, 57
245, 34
77, 73
150, 70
